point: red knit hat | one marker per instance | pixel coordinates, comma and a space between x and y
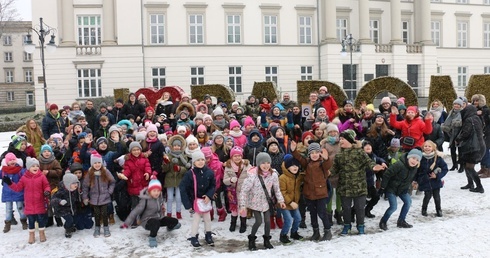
248, 121
413, 109
306, 134
53, 106
150, 108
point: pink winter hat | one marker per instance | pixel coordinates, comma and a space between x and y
234, 124
201, 128
385, 100
9, 157
401, 101
208, 153
152, 128
236, 151
248, 121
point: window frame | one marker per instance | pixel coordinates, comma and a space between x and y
486, 34
10, 96
7, 40
8, 56
462, 77
406, 38
97, 79
197, 76
460, 33
342, 27
30, 94
27, 57
97, 27
159, 77
28, 73
373, 30
234, 77
306, 72
9, 75
271, 76
273, 29
303, 30
157, 25
234, 26
196, 26
435, 33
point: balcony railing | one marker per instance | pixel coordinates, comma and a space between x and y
383, 48
414, 48
88, 50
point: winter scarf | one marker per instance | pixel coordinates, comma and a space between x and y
436, 112
178, 156
11, 170
220, 123
235, 134
44, 160
430, 156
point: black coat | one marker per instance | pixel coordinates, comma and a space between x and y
52, 125
136, 109
436, 136
398, 178
205, 185
72, 199
471, 124
90, 115
120, 113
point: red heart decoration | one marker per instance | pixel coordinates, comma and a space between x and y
153, 95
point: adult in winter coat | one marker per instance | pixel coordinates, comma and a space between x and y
472, 151
452, 126
65, 202
33, 133
52, 122
483, 112
135, 108
413, 127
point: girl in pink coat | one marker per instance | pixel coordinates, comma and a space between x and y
216, 166
237, 134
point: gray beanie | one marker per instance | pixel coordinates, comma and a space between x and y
31, 162
458, 101
314, 146
69, 179
135, 144
262, 158
197, 156
415, 153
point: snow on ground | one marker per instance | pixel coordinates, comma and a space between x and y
463, 231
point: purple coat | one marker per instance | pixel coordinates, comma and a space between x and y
100, 193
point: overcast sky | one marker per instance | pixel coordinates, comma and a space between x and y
24, 9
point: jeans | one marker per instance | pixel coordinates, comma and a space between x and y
407, 202
291, 217
170, 199
9, 209
69, 221
318, 208
41, 219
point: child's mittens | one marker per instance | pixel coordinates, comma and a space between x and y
47, 193
188, 165
124, 226
165, 159
234, 179
176, 168
85, 202
7, 180
63, 202
294, 205
175, 160
437, 171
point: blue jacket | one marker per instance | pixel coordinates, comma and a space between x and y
9, 195
205, 185
422, 177
51, 125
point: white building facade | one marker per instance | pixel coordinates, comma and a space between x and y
107, 44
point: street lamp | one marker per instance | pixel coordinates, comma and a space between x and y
42, 30
354, 46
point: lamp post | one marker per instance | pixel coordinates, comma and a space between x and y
353, 45
42, 30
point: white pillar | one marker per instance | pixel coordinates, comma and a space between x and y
425, 22
364, 21
108, 23
396, 17
330, 20
68, 23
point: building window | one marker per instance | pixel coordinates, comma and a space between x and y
487, 2
196, 29
461, 1
8, 57
29, 98
305, 30
28, 75
435, 1
7, 40
486, 35
462, 76
234, 29
271, 74
306, 73
27, 57
462, 34
435, 32
406, 32
235, 78
89, 83
9, 76
270, 29
486, 70
157, 28
10, 96
197, 75
374, 31
89, 30
158, 77
341, 29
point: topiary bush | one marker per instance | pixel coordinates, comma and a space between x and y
304, 88
478, 84
442, 88
265, 89
216, 90
390, 84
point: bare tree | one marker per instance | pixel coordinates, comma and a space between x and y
8, 13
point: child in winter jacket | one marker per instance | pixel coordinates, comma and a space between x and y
175, 166
235, 174
315, 188
370, 178
429, 176
98, 186
153, 149
151, 212
36, 197
261, 180
83, 215
65, 202
14, 171
192, 146
277, 156
254, 146
51, 168
290, 184
212, 161
236, 133
198, 183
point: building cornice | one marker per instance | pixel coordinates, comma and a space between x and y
270, 6
305, 7
376, 10
233, 6
87, 5
463, 14
156, 5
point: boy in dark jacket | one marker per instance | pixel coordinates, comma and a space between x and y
83, 215
65, 202
370, 178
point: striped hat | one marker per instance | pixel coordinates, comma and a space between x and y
154, 184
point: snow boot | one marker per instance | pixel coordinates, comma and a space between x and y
461, 169
209, 238
316, 235
273, 224
424, 212
42, 236
233, 223
59, 222
382, 225
284, 239
267, 242
152, 241
222, 214
403, 224
107, 233
296, 236
97, 231
302, 224
479, 187
32, 236
360, 229
24, 224
338, 218
169, 215
439, 213
368, 213
195, 241
50, 222
251, 243
243, 224
346, 229
13, 220
179, 215
327, 235
468, 186
111, 219
7, 226
279, 222
68, 232
454, 167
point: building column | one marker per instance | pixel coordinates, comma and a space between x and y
68, 23
396, 17
330, 8
425, 22
364, 21
108, 23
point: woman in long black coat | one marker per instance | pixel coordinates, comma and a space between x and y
471, 152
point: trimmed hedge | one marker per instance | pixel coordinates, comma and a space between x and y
265, 89
442, 88
304, 88
478, 84
390, 84
216, 90
17, 110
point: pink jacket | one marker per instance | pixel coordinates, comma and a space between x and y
240, 141
34, 186
217, 167
252, 193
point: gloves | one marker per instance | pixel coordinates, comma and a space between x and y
437, 171
381, 191
85, 202
175, 160
63, 202
47, 193
176, 168
123, 226
188, 165
294, 205
7, 180
165, 159
233, 179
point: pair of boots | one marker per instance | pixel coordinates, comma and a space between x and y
327, 235
8, 225
69, 231
484, 172
32, 235
208, 238
222, 214
177, 214
253, 247
107, 233
243, 224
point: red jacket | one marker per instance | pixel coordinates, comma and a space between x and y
415, 128
34, 186
330, 106
135, 169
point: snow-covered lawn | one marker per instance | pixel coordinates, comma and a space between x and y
463, 231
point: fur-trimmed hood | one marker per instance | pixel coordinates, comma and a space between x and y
482, 101
245, 163
177, 137
202, 105
188, 106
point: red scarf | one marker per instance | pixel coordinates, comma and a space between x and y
11, 170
